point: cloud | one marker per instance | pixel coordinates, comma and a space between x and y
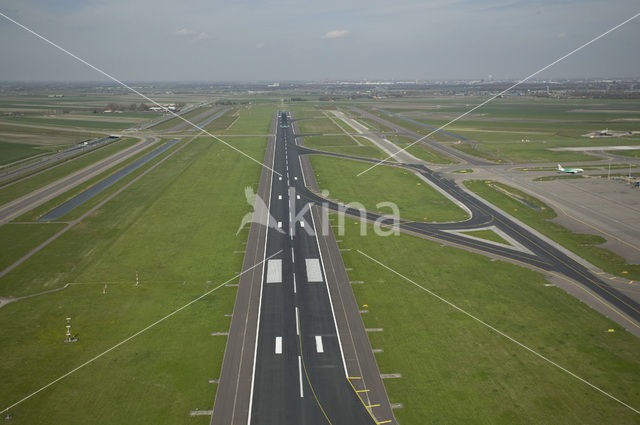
193, 35
186, 32
336, 34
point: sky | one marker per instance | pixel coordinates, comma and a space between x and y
284, 40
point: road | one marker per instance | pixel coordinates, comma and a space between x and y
26, 203
303, 360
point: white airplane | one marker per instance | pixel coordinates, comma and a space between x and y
570, 170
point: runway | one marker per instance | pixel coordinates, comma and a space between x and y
301, 371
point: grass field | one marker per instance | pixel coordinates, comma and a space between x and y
11, 152
489, 235
36, 181
345, 145
416, 200
584, 245
319, 125
253, 120
455, 370
172, 229
420, 150
522, 129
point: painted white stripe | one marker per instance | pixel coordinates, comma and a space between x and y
278, 345
274, 271
279, 196
319, 347
314, 273
279, 225
297, 323
293, 257
301, 223
300, 373
295, 288
333, 311
264, 256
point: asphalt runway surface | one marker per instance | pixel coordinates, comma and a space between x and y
295, 367
68, 206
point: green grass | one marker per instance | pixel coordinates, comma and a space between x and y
223, 122
19, 239
416, 200
44, 135
584, 245
487, 234
84, 124
253, 120
11, 152
319, 125
170, 228
35, 214
420, 150
345, 145
457, 371
498, 128
634, 153
36, 181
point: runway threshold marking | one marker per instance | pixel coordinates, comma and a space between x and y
278, 345
319, 346
274, 271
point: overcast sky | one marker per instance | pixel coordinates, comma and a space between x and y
212, 40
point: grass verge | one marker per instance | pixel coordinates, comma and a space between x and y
455, 370
415, 199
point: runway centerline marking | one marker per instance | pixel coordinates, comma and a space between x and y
300, 376
297, 323
278, 345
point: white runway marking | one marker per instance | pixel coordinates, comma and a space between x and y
300, 374
274, 271
319, 347
314, 274
295, 287
278, 345
279, 196
293, 257
297, 323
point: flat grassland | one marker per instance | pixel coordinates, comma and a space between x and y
175, 228
457, 371
520, 129
344, 144
416, 200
